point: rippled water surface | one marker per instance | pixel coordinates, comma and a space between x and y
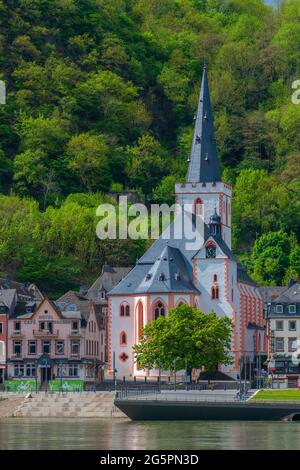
25, 433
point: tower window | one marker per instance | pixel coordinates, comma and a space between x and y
211, 251
123, 339
215, 293
215, 277
198, 207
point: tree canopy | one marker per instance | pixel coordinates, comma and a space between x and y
186, 334
103, 93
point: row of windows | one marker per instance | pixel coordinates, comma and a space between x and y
92, 348
45, 326
291, 308
29, 370
46, 347
92, 326
292, 325
158, 310
280, 344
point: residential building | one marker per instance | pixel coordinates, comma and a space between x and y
47, 342
14, 296
282, 315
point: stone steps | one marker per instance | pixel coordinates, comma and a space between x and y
84, 404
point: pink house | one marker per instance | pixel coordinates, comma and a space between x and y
48, 343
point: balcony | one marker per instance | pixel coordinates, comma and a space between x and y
16, 334
75, 334
45, 333
16, 355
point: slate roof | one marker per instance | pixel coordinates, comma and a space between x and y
28, 290
269, 294
82, 304
7, 297
109, 278
288, 295
160, 276
203, 161
243, 276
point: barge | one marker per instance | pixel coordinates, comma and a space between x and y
168, 410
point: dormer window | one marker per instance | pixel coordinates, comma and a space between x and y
162, 277
102, 295
177, 277
279, 308
292, 308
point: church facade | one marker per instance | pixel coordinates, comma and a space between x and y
205, 274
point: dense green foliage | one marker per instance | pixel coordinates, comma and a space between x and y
102, 93
186, 334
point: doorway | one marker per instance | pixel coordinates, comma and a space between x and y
46, 374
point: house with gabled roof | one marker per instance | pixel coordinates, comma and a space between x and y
53, 341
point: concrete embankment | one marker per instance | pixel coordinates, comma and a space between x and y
9, 404
67, 405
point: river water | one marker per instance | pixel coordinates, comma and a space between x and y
122, 434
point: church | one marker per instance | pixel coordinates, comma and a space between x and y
207, 277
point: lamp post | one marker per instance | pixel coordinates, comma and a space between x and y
36, 377
115, 371
175, 360
61, 375
186, 374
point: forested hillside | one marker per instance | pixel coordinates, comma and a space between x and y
101, 96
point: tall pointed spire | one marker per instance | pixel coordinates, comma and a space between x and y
203, 161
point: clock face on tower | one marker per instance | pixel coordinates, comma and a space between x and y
211, 252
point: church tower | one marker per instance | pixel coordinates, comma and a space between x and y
204, 190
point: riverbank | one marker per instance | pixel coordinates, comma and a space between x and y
8, 405
61, 405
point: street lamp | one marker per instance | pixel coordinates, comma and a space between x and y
175, 360
186, 374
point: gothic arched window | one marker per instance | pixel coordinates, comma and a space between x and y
159, 310
198, 207
215, 293
140, 314
123, 339
125, 310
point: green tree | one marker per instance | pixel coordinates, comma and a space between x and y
88, 159
146, 164
186, 333
271, 258
164, 192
